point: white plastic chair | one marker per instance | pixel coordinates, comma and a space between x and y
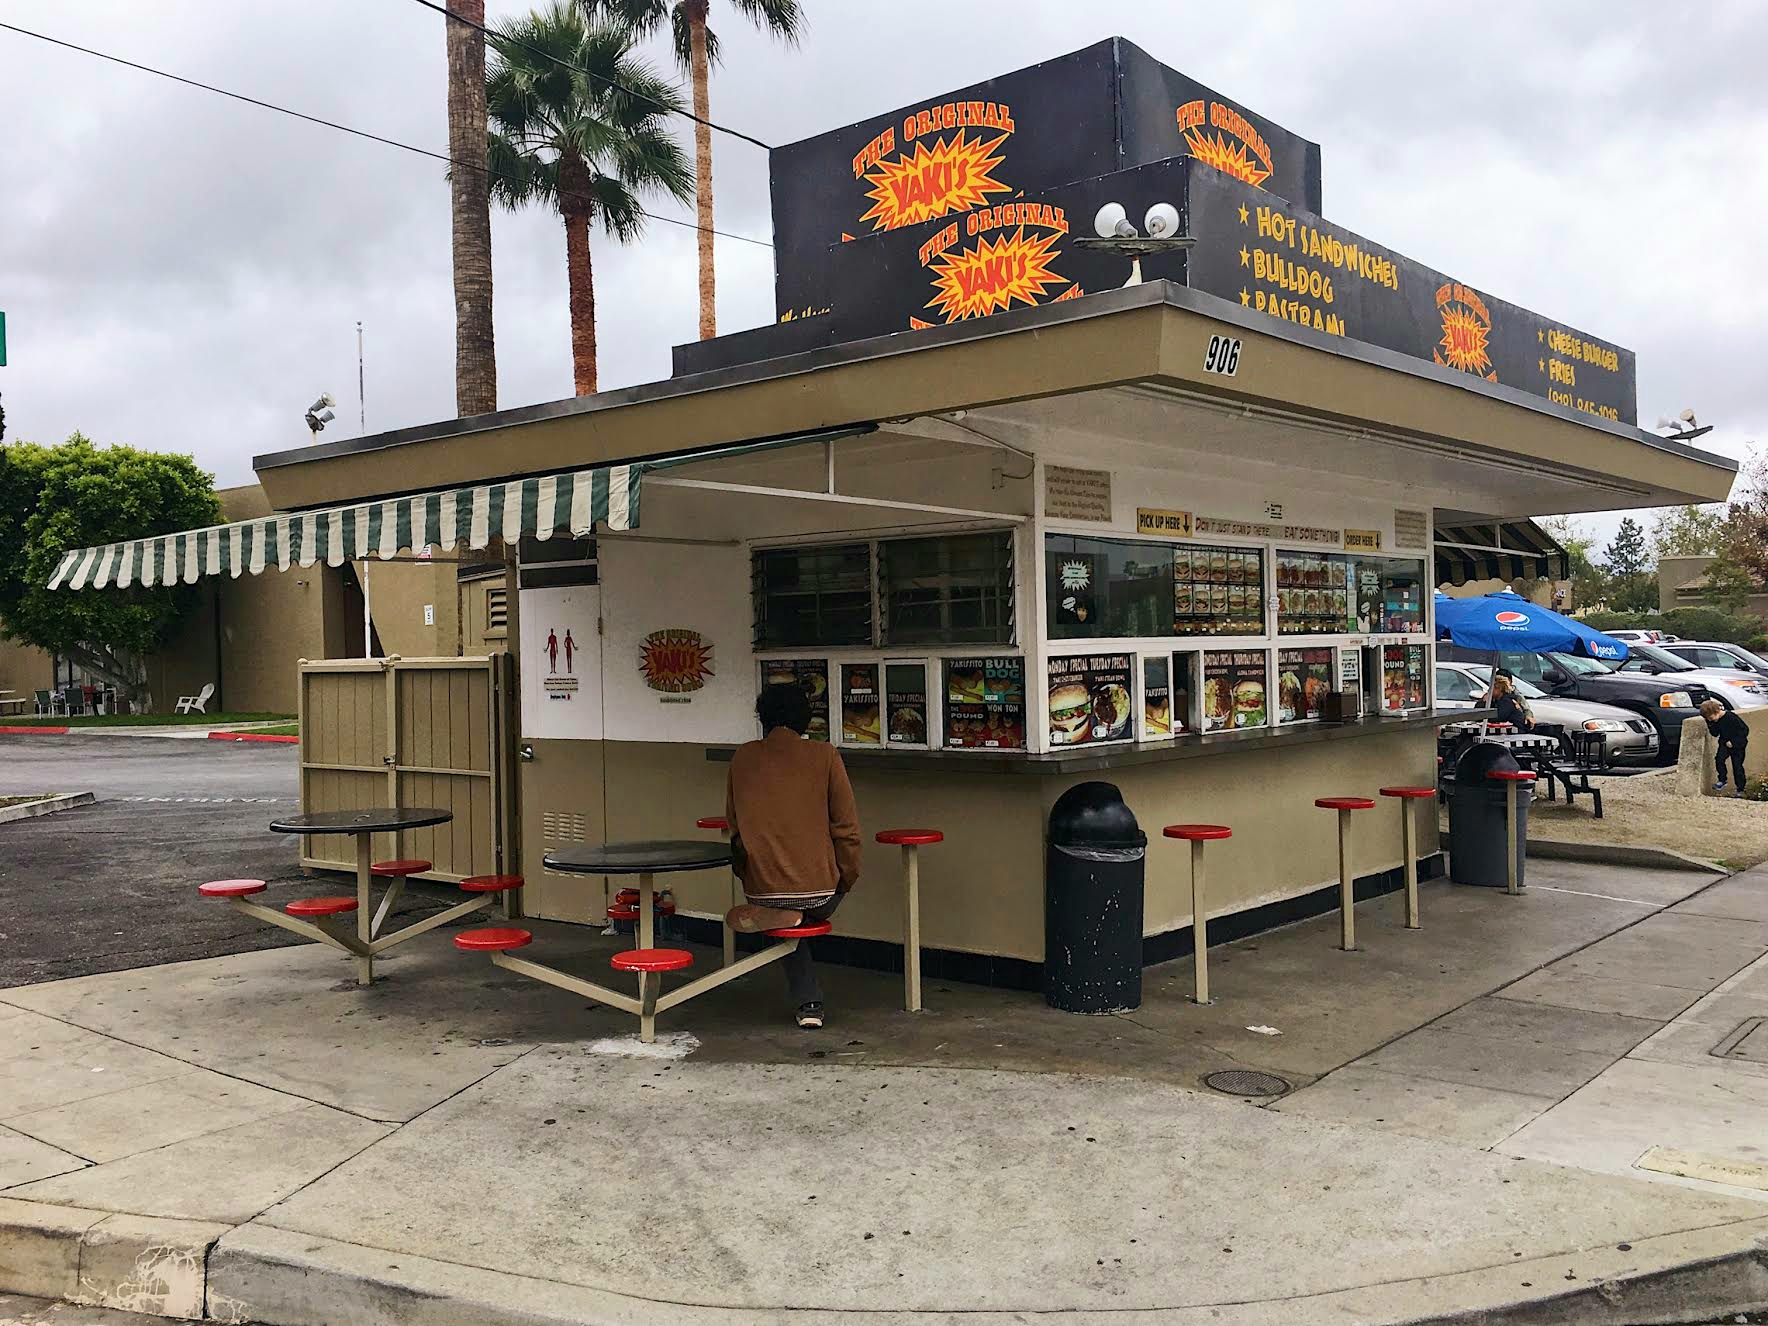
198, 703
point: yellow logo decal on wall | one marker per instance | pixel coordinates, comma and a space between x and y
1222, 137
1466, 344
675, 661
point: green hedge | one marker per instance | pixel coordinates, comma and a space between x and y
1689, 623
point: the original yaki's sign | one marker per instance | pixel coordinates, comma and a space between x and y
675, 661
1010, 138
1277, 259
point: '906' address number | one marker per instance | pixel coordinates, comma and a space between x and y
1223, 356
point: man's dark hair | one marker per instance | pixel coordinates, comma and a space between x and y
783, 704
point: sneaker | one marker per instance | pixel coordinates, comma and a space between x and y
810, 1017
1719, 786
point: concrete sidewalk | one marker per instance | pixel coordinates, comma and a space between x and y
253, 1137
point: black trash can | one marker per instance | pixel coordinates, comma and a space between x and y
1477, 840
1093, 870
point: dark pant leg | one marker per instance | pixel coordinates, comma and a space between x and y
1737, 767
801, 981
1719, 763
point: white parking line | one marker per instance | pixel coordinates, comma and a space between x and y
206, 801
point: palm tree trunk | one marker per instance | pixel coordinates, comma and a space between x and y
701, 75
580, 279
475, 349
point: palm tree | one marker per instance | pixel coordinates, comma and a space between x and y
475, 350
696, 48
581, 124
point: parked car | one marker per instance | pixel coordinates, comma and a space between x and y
1739, 690
1641, 637
1630, 738
1664, 703
1715, 655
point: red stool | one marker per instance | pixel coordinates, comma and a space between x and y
803, 930
1197, 835
231, 888
494, 939
650, 964
911, 841
399, 869
1408, 841
491, 883
320, 906
1513, 780
720, 824
1347, 922
623, 911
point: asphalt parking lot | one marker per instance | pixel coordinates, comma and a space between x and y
113, 885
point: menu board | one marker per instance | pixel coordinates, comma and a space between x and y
860, 708
1315, 594
1090, 698
1402, 677
1218, 591
985, 703
1304, 676
1234, 689
813, 675
905, 698
1157, 699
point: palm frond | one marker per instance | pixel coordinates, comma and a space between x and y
785, 19
682, 36
617, 208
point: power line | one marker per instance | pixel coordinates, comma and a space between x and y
332, 124
497, 38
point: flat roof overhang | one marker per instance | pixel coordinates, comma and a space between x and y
1125, 363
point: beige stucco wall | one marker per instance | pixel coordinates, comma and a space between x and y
24, 668
982, 889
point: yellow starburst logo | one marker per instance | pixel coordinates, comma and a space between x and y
1466, 343
1231, 158
675, 661
973, 283
954, 175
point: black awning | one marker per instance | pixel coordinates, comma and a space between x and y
1497, 550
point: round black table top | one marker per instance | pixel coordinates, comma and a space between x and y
648, 858
369, 820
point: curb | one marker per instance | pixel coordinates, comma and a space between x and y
101, 1259
28, 810
262, 1272
1618, 854
276, 737
33, 731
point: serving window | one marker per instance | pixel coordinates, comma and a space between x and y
985, 703
1338, 593
813, 596
1125, 589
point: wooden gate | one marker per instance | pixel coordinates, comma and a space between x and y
413, 732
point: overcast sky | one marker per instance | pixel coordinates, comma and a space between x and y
185, 273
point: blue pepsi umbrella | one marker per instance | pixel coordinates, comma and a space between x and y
1507, 621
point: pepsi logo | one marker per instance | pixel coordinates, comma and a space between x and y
1512, 619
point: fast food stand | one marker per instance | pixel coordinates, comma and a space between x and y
1156, 534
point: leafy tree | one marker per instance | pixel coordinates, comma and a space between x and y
696, 48
1627, 561
1746, 520
1687, 531
475, 349
77, 495
585, 132
1589, 584
1728, 586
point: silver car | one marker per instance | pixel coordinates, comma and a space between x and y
1717, 656
1739, 690
1630, 738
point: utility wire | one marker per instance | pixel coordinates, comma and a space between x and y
498, 39
333, 124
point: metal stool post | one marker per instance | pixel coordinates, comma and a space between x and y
1409, 845
737, 897
1197, 835
1347, 914
911, 841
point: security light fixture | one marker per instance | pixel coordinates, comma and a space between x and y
1683, 427
320, 413
1117, 234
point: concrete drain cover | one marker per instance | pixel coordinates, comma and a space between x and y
1245, 1082
1749, 1040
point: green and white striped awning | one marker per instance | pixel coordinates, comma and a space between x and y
461, 517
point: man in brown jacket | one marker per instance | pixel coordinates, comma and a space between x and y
794, 832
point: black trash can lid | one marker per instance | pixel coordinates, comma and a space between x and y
1094, 815
1482, 758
